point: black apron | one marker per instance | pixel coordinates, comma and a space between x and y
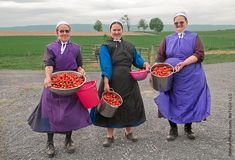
131, 112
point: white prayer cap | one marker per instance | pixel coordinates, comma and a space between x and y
114, 22
62, 22
181, 14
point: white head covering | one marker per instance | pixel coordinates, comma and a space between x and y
181, 14
116, 20
62, 22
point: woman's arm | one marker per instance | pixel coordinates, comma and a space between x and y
48, 72
48, 63
80, 63
199, 50
139, 62
198, 56
161, 53
106, 84
189, 60
106, 66
105, 62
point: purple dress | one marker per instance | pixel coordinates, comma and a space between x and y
57, 113
189, 98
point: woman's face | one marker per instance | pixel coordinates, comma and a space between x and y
116, 31
63, 32
180, 24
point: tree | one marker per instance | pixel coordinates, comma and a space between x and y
156, 25
143, 24
98, 26
125, 19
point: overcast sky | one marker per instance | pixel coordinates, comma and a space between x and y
36, 12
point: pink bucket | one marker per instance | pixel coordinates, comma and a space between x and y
88, 94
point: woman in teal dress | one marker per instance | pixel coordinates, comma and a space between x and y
116, 59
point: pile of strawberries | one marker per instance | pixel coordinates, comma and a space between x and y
67, 80
162, 70
112, 99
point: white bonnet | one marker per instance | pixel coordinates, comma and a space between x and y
114, 21
62, 22
181, 14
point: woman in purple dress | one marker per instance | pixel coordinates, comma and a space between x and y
188, 100
60, 114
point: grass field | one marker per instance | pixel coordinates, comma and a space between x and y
26, 52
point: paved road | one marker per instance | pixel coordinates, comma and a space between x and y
20, 93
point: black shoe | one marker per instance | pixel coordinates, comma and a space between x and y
189, 134
108, 141
131, 137
69, 146
50, 149
172, 135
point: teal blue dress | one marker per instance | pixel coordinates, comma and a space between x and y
116, 60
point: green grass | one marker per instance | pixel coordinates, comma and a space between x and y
218, 40
21, 62
26, 52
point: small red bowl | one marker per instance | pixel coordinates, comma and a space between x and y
139, 74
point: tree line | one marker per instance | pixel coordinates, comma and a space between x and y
155, 24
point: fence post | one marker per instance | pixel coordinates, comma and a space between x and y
151, 53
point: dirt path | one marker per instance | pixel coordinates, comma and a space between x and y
20, 93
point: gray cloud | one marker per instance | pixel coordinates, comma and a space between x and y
28, 12
24, 1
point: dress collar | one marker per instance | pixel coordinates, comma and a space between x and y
181, 35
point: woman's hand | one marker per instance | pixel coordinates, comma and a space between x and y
106, 87
179, 66
47, 82
81, 70
106, 84
146, 65
190, 60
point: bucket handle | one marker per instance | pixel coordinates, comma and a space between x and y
174, 71
111, 89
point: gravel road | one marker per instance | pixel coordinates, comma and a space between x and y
20, 93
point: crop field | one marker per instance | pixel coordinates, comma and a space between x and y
26, 52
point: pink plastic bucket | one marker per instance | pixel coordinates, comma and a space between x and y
88, 94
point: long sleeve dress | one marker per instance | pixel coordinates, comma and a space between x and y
116, 59
189, 98
57, 113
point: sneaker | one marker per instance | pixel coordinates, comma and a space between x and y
108, 141
189, 134
131, 137
69, 146
172, 135
50, 149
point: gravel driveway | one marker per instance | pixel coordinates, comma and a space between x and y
20, 93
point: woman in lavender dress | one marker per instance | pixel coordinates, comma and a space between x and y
188, 100
60, 114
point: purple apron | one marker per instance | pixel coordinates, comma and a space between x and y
189, 99
60, 113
